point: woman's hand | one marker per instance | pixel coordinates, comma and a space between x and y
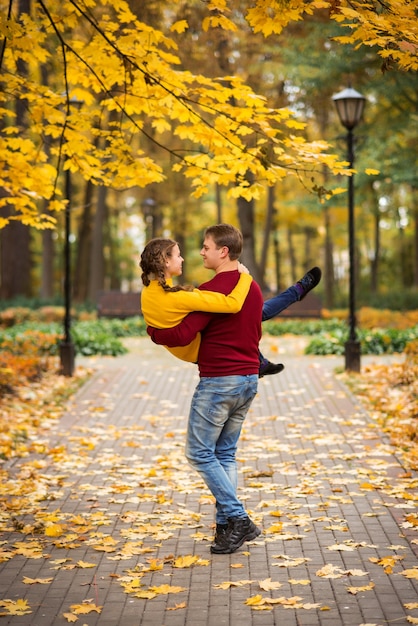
242, 269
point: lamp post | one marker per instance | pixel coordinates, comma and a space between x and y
67, 349
350, 105
148, 207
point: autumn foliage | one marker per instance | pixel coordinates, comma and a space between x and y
115, 83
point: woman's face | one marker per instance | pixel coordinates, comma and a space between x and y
174, 263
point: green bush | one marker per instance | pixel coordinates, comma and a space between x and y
301, 327
90, 338
378, 341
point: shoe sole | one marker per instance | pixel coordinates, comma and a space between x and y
252, 535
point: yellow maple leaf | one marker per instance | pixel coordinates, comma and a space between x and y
155, 565
182, 605
387, 562
54, 530
185, 561
267, 584
411, 573
16, 607
180, 26
163, 589
85, 608
144, 594
255, 600
85, 565
32, 581
70, 617
355, 590
341, 547
275, 528
232, 583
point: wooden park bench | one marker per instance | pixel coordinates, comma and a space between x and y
118, 304
128, 304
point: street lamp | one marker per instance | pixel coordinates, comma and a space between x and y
67, 350
350, 105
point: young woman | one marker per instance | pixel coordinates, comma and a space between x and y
164, 305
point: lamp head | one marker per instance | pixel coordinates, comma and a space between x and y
350, 105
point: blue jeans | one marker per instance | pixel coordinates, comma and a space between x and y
277, 304
218, 409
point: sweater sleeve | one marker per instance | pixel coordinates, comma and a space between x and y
215, 302
183, 333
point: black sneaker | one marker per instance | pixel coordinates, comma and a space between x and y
267, 368
308, 282
240, 529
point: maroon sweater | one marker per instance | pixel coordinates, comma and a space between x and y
229, 341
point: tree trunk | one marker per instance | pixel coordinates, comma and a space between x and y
96, 282
83, 260
376, 253
292, 255
15, 264
14, 261
415, 240
267, 230
47, 267
246, 220
329, 261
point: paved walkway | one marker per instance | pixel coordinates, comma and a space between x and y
122, 531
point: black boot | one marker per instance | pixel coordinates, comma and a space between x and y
267, 368
240, 529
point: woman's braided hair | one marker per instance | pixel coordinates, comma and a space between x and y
153, 260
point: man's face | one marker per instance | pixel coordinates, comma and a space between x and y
211, 255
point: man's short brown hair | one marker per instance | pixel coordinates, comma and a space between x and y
228, 236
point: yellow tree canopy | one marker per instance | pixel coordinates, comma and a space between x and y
390, 25
94, 81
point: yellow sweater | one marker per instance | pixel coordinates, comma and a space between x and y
165, 309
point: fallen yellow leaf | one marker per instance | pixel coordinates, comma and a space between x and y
85, 565
255, 600
16, 607
85, 608
268, 585
182, 605
54, 530
232, 583
32, 581
355, 590
162, 589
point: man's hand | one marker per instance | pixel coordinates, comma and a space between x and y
242, 269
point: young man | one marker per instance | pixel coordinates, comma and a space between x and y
228, 366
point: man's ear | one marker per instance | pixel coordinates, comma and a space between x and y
224, 252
